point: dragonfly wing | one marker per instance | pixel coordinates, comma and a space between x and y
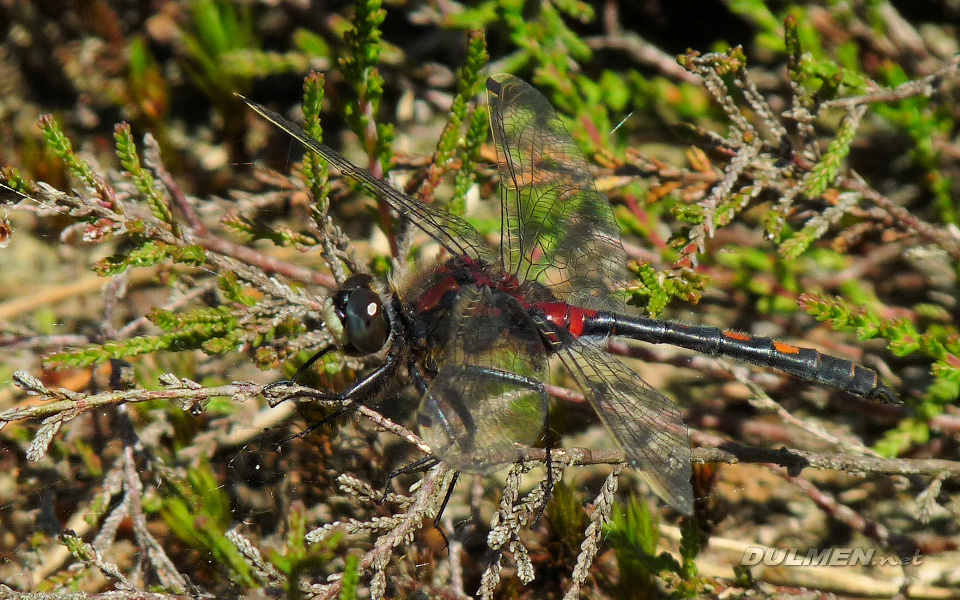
450, 231
487, 400
557, 228
646, 425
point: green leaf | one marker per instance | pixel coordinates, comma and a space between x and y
198, 511
62, 148
149, 254
143, 180
823, 174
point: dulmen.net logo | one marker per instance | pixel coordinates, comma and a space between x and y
823, 557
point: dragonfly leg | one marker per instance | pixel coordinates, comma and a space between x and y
300, 371
419, 466
351, 398
443, 507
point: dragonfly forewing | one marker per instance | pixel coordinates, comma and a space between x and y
557, 228
452, 232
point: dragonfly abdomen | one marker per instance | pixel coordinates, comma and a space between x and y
805, 363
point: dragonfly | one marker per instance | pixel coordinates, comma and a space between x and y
479, 332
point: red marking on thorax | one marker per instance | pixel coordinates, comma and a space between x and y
569, 317
432, 297
485, 275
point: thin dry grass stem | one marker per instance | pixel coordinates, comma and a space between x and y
166, 572
455, 549
23, 340
61, 292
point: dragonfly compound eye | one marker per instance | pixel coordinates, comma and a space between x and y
365, 327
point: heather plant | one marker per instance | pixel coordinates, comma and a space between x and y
766, 205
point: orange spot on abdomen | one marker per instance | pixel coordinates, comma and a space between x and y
785, 348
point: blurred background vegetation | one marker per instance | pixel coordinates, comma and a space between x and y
773, 166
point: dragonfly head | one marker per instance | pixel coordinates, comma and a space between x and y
365, 326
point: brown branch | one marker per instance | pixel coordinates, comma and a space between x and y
155, 162
900, 217
903, 218
98, 401
721, 452
215, 244
925, 86
903, 545
645, 53
267, 263
793, 460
